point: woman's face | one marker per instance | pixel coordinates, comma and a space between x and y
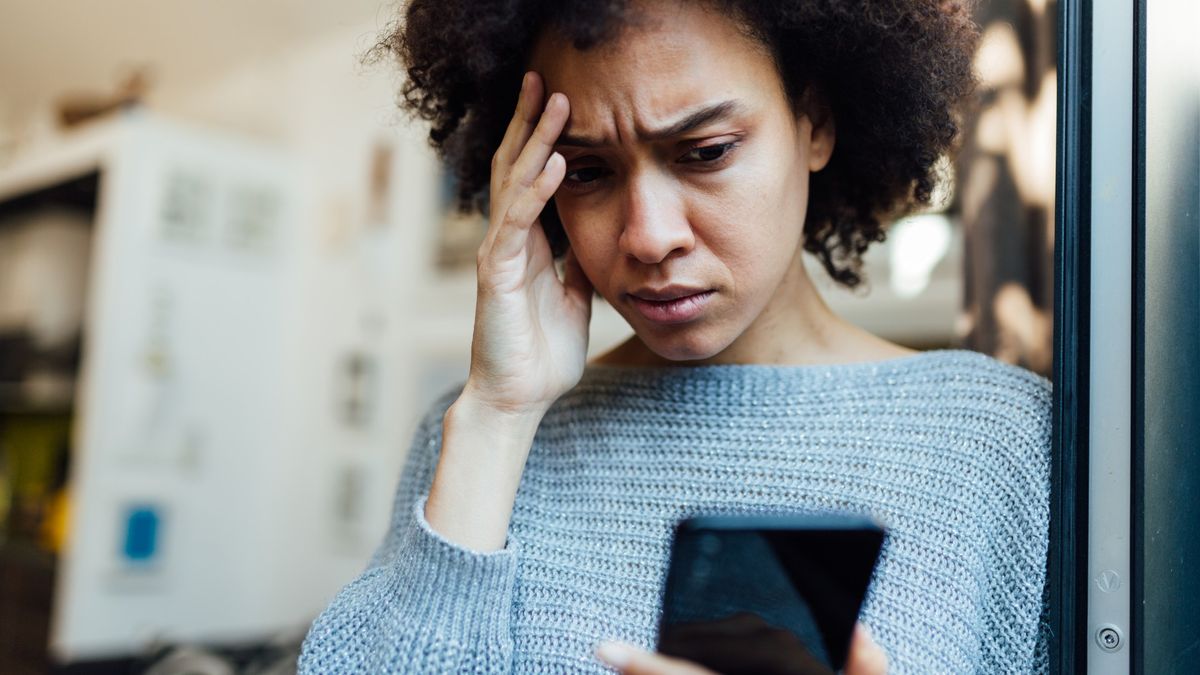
687, 174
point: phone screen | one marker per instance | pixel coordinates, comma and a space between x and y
766, 599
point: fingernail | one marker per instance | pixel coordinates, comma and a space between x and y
526, 80
615, 654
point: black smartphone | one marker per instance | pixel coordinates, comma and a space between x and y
769, 594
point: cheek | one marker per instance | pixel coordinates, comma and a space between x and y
578, 223
757, 217
588, 232
782, 208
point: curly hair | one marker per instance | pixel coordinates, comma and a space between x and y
894, 73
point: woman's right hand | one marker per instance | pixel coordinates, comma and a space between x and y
530, 340
531, 328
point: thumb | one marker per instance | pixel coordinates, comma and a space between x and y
866, 657
629, 660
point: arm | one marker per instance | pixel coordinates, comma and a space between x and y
1020, 536
424, 604
1041, 651
438, 596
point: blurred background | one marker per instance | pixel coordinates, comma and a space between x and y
231, 282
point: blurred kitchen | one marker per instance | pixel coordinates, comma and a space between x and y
231, 279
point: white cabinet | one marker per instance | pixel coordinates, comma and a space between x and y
184, 462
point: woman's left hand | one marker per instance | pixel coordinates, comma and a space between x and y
865, 658
629, 660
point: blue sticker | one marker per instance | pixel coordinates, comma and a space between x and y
141, 534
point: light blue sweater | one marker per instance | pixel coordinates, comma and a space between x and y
948, 449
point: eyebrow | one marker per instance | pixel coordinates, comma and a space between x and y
716, 112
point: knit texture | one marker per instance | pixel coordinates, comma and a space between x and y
948, 449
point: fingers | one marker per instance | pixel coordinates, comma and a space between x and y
540, 144
523, 120
512, 230
630, 660
530, 137
866, 657
525, 169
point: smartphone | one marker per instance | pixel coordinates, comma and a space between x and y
767, 594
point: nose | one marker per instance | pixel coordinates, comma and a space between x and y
656, 223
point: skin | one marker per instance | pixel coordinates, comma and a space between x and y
720, 206
657, 217
865, 658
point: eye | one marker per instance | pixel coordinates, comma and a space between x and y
585, 174
584, 178
708, 154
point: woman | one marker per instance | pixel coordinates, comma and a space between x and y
683, 156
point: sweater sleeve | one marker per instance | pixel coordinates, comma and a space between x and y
424, 604
1041, 652
1042, 460
1015, 624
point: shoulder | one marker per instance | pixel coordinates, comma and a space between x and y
1004, 414
1010, 396
997, 414
985, 372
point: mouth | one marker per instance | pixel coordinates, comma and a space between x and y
682, 307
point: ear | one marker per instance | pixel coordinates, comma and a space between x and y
822, 135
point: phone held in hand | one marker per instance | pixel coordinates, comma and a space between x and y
769, 594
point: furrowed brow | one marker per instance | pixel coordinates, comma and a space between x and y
717, 112
710, 114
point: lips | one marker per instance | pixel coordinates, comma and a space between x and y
679, 305
673, 292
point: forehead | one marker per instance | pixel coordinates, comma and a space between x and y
670, 57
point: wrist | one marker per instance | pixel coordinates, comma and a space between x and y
475, 484
474, 407
490, 443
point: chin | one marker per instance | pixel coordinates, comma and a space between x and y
684, 345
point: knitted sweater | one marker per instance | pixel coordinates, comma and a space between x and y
948, 449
